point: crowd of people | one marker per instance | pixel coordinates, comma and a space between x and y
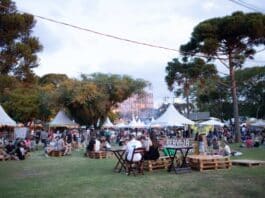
15, 150
128, 142
216, 141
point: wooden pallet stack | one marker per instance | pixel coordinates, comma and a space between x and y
248, 163
97, 155
56, 154
205, 162
161, 163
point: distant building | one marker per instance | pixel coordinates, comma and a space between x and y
137, 104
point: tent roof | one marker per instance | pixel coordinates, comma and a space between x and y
172, 117
61, 120
212, 122
121, 125
108, 123
135, 124
5, 120
259, 123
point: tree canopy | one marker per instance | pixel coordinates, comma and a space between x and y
18, 49
251, 99
230, 39
182, 76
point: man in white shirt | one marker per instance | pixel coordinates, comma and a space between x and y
97, 145
131, 145
227, 150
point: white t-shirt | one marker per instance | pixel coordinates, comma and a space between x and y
227, 150
131, 145
97, 145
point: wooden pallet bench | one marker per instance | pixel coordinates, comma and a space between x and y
56, 154
97, 155
248, 163
3, 158
204, 162
161, 163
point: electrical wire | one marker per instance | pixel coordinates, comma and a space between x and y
113, 36
251, 5
247, 5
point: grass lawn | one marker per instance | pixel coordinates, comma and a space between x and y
76, 176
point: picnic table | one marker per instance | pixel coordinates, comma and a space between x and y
182, 166
119, 154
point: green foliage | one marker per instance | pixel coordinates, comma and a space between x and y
18, 49
22, 104
233, 36
232, 40
106, 91
215, 99
182, 76
251, 93
251, 89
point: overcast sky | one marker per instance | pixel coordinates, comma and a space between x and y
166, 23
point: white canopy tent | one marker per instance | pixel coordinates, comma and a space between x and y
121, 125
108, 123
212, 122
258, 123
134, 124
5, 120
141, 124
172, 117
62, 120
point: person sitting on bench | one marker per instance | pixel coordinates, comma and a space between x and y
152, 148
93, 145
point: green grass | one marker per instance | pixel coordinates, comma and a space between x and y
76, 176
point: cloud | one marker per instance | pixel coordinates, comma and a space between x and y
167, 23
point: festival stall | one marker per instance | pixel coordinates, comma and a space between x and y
7, 125
61, 120
171, 117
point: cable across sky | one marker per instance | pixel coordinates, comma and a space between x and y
112, 36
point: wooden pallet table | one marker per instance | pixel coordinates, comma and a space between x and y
56, 153
248, 163
97, 155
161, 163
209, 162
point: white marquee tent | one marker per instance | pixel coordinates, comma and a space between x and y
108, 123
212, 122
258, 123
172, 117
121, 125
61, 120
134, 124
5, 120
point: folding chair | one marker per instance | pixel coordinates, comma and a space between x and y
136, 165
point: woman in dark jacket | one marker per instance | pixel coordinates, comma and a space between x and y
20, 151
153, 152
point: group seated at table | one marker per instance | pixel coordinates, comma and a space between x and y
14, 151
149, 151
93, 145
58, 145
96, 145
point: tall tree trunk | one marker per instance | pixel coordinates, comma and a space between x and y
187, 93
257, 111
188, 106
235, 102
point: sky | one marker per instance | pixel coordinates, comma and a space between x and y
167, 23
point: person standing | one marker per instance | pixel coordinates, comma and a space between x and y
44, 137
